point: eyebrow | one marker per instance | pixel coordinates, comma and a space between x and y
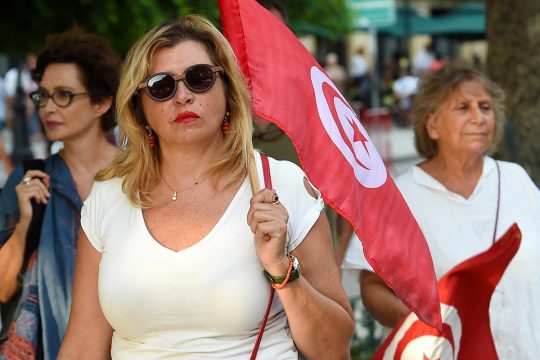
62, 87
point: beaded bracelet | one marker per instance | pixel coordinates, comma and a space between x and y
280, 286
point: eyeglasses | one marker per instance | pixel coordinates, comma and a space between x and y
198, 78
62, 98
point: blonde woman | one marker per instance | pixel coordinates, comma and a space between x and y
174, 243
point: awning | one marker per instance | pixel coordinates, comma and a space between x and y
465, 19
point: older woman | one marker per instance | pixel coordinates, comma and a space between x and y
78, 75
174, 243
464, 201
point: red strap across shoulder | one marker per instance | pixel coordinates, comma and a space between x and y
267, 185
266, 172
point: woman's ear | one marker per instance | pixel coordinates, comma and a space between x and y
431, 126
102, 106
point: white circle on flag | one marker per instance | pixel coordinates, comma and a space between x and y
346, 132
428, 346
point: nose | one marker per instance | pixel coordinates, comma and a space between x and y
49, 105
477, 115
183, 94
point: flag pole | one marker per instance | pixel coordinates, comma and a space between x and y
253, 175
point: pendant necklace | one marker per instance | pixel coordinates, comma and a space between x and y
175, 193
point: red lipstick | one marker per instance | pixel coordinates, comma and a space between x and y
186, 117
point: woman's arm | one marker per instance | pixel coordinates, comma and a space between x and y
11, 260
380, 301
12, 251
319, 313
8, 166
88, 333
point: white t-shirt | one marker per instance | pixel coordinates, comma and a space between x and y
11, 78
206, 301
457, 229
422, 61
359, 66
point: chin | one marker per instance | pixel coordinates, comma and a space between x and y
52, 136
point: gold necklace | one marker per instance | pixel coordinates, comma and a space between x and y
175, 192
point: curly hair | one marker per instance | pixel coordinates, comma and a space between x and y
98, 63
436, 88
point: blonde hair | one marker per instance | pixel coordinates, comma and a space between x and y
435, 89
138, 164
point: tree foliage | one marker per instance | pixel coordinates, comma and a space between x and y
25, 24
329, 18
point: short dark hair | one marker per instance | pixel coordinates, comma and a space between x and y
275, 4
97, 61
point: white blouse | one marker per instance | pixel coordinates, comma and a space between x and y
457, 229
203, 302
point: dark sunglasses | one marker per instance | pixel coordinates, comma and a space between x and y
198, 78
62, 98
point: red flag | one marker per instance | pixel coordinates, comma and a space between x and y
291, 89
465, 293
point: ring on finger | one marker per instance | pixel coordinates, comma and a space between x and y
27, 180
276, 200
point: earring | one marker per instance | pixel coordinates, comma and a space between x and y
226, 123
151, 137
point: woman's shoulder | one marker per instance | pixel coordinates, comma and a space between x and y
518, 176
107, 190
277, 167
283, 173
406, 178
113, 184
284, 166
510, 167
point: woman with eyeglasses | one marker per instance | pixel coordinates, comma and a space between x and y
78, 75
177, 256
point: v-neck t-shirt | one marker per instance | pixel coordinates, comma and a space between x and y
204, 302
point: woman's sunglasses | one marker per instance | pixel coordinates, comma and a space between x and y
198, 78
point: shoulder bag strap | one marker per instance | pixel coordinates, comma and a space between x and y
267, 185
38, 210
498, 202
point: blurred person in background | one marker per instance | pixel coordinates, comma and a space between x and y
422, 60
18, 84
465, 200
359, 74
405, 88
20, 77
335, 71
77, 75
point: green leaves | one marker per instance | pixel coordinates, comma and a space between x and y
25, 24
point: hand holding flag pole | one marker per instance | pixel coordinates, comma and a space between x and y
290, 89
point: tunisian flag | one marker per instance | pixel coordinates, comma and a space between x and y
290, 89
465, 293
